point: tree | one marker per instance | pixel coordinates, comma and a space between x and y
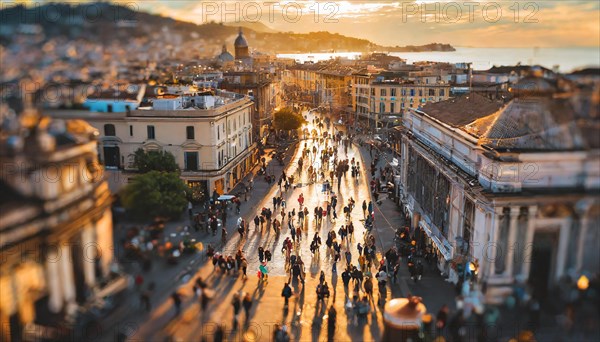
286, 119
154, 161
155, 193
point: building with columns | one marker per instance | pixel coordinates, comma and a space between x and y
508, 189
56, 241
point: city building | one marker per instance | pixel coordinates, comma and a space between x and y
263, 89
326, 84
121, 98
56, 230
506, 192
208, 133
381, 98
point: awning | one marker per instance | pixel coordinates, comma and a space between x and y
404, 313
225, 198
441, 247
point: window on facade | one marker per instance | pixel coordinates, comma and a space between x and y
189, 132
468, 221
151, 132
392, 107
412, 92
109, 130
383, 92
430, 189
431, 92
130, 130
381, 107
420, 92
372, 91
191, 161
403, 92
393, 92
442, 92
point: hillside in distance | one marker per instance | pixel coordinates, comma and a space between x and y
113, 23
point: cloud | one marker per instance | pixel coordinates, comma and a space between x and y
541, 23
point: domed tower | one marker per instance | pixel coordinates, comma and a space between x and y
225, 56
241, 46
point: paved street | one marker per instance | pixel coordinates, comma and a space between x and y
268, 306
305, 318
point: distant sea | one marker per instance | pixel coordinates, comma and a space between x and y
568, 59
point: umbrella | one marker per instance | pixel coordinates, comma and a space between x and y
404, 313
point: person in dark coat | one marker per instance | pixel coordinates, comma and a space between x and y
176, 302
346, 276
219, 334
441, 319
286, 293
247, 304
331, 320
237, 306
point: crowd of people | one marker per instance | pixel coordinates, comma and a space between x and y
365, 274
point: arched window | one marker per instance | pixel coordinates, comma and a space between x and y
109, 130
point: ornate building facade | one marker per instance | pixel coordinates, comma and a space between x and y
56, 234
506, 192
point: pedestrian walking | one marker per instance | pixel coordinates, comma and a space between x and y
176, 297
286, 293
331, 321
346, 276
263, 272
145, 298
247, 304
261, 254
244, 267
237, 305
368, 286
268, 255
441, 319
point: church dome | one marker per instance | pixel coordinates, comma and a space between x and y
240, 41
225, 56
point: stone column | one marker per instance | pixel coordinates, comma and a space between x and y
88, 251
55, 301
512, 236
528, 250
66, 273
584, 226
492, 247
563, 243
582, 208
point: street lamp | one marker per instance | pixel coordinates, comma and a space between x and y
583, 283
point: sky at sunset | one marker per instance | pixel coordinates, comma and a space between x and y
554, 23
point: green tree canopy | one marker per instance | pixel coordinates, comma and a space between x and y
285, 119
154, 194
154, 161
